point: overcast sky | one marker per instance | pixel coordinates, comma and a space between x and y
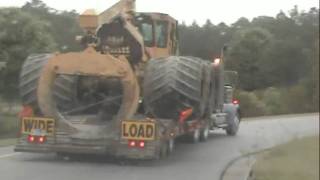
188, 10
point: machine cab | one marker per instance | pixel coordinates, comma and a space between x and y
159, 32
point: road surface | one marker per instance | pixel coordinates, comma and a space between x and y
188, 162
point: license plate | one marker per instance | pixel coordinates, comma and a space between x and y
135, 130
38, 126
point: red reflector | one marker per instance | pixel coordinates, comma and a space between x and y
235, 102
132, 143
42, 139
31, 138
142, 144
26, 111
185, 114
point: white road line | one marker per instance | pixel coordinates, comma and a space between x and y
8, 155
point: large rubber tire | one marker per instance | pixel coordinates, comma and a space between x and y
233, 125
204, 134
29, 77
172, 85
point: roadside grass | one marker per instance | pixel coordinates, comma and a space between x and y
296, 160
281, 116
8, 129
7, 142
8, 126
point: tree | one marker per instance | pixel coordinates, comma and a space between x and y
284, 63
21, 34
241, 23
57, 21
245, 56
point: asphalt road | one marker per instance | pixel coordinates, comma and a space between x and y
189, 161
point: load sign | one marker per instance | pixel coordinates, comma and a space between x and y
45, 125
135, 130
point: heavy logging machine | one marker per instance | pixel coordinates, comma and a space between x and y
127, 94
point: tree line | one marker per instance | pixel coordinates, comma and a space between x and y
277, 58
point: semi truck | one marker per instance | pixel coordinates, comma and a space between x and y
128, 94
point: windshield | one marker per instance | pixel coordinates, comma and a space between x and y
161, 33
147, 33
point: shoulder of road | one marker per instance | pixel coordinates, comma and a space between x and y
265, 164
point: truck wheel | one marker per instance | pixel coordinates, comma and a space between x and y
171, 144
195, 136
204, 134
28, 84
173, 84
233, 125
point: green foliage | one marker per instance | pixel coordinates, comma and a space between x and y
62, 25
295, 100
315, 77
251, 105
20, 35
205, 42
246, 57
267, 52
8, 126
34, 28
274, 101
272, 98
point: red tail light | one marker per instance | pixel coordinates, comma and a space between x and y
235, 102
132, 143
26, 111
41, 139
142, 144
36, 139
185, 114
31, 139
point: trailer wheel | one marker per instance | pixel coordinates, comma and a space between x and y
204, 134
164, 151
233, 125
